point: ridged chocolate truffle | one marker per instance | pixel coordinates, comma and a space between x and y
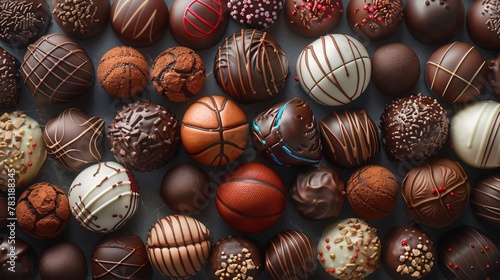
349, 137
485, 200
82, 19
312, 18
436, 192
25, 262
10, 89
258, 14
63, 261
144, 135
318, 193
287, 134
414, 128
482, 24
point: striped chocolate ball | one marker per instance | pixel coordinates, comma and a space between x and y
485, 200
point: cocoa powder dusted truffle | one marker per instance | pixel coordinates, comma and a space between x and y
10, 89
82, 19
482, 24
258, 14
312, 18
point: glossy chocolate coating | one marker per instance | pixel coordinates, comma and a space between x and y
4, 214
139, 23
485, 200
434, 21
82, 19
120, 255
456, 72
74, 139
10, 88
312, 18
63, 261
414, 115
375, 20
349, 137
408, 253
144, 135
26, 262
318, 193
466, 253
56, 69
257, 14
198, 24
482, 24
287, 134
436, 192
22, 22
256, 79
494, 74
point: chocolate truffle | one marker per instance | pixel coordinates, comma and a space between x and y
43, 210
56, 70
482, 24
235, 258
396, 69
485, 200
456, 72
436, 192
62, 261
494, 75
178, 246
82, 19
312, 18
466, 253
22, 152
375, 20
408, 253
287, 134
144, 135
290, 255
414, 128
22, 22
349, 137
334, 70
251, 66
103, 197
139, 23
74, 139
434, 21
123, 72
372, 191
10, 89
474, 134
4, 213
25, 259
318, 193
198, 24
185, 188
214, 130
349, 249
178, 74
120, 255
258, 14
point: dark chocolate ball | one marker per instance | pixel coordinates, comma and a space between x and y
63, 261
494, 74
395, 69
82, 19
312, 18
26, 259
482, 24
485, 200
10, 88
185, 188
258, 14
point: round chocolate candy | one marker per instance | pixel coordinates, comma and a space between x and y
4, 213
485, 200
82, 19
25, 259
312, 18
255, 13
10, 89
482, 24
62, 261
494, 75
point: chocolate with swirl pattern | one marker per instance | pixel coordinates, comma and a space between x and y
485, 200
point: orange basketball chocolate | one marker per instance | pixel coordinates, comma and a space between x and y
252, 198
214, 130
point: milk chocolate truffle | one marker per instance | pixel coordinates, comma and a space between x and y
22, 22
258, 14
287, 134
74, 139
10, 89
235, 258
290, 255
120, 255
408, 253
123, 72
413, 128
436, 192
56, 70
4, 213
25, 259
482, 24
349, 137
485, 200
62, 261
251, 66
82, 19
185, 188
375, 20
312, 18
318, 193
396, 69
466, 253
372, 191
144, 135
456, 72
178, 74
198, 24
434, 21
139, 23
494, 75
